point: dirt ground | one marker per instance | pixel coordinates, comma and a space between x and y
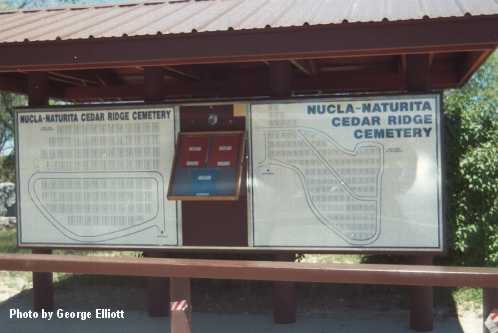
341, 307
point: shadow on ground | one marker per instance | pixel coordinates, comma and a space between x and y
226, 306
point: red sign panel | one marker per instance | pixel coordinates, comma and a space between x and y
224, 151
194, 151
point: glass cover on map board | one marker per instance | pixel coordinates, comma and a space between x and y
347, 173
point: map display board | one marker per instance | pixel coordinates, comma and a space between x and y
95, 177
349, 173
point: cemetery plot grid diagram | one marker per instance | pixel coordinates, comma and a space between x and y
95, 177
342, 187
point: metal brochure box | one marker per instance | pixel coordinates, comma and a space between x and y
216, 223
207, 167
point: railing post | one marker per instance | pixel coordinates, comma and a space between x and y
180, 317
284, 298
157, 294
43, 289
421, 301
181, 305
489, 303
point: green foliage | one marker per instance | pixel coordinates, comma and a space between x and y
8, 102
472, 144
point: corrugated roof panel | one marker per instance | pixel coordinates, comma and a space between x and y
115, 27
202, 18
236, 16
267, 15
97, 29
8, 17
301, 12
24, 19
333, 11
367, 11
131, 21
442, 8
479, 8
411, 9
185, 16
55, 24
71, 26
155, 20
169, 21
28, 24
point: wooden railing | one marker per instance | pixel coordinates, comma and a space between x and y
182, 270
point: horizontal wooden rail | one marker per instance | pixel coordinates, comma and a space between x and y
402, 275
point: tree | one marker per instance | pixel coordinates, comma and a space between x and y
8, 102
472, 151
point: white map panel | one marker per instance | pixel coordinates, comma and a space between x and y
346, 173
96, 177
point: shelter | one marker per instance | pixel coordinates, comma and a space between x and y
227, 49
211, 50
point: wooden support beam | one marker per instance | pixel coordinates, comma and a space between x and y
490, 303
153, 84
68, 77
181, 74
180, 317
43, 290
108, 77
252, 85
421, 301
157, 288
284, 293
13, 84
305, 66
471, 62
280, 79
38, 89
418, 72
180, 290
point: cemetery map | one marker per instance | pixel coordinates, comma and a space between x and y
346, 173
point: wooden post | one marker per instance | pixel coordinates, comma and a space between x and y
180, 317
43, 289
489, 303
157, 288
418, 69
284, 293
281, 79
181, 305
284, 298
421, 300
38, 87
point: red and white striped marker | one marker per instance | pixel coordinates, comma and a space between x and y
492, 321
179, 305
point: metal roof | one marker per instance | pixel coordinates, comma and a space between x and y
187, 16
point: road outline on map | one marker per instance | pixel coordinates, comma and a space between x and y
302, 178
112, 234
